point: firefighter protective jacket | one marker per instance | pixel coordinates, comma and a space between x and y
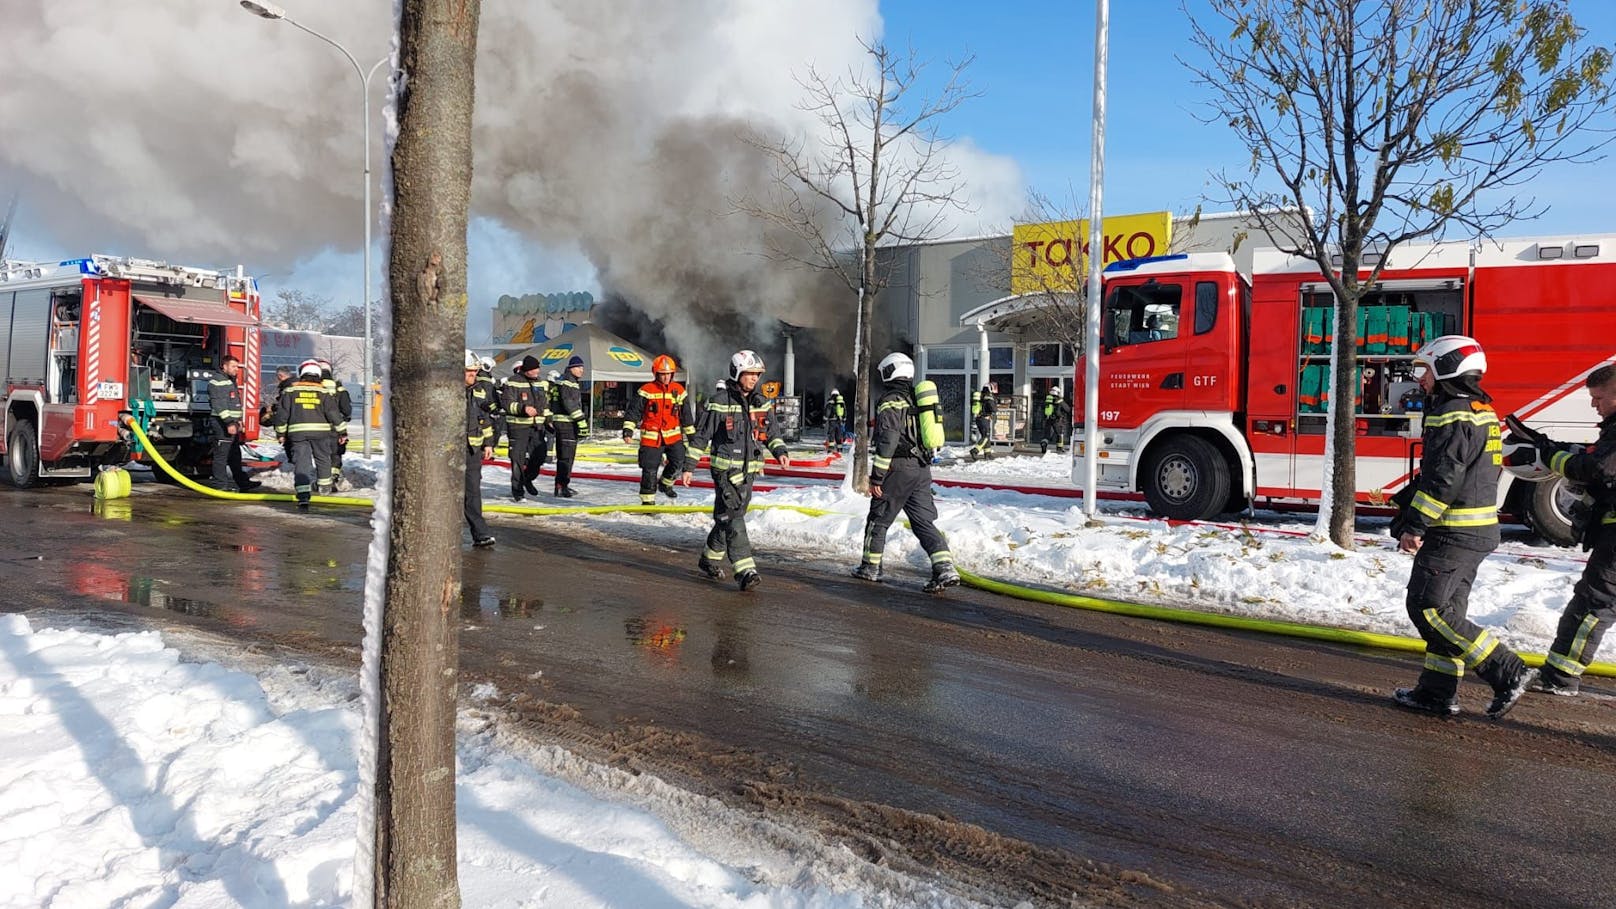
339, 393
735, 427
661, 413
1594, 467
1456, 491
567, 403
896, 443
982, 404
1057, 410
224, 399
838, 408
307, 411
519, 394
479, 415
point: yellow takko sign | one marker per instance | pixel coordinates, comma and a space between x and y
1051, 255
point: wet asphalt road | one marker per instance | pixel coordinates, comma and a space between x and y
1036, 753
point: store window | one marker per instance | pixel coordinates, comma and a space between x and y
945, 358
1050, 355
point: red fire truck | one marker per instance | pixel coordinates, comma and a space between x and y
1214, 385
85, 341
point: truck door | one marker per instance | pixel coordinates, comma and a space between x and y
1143, 366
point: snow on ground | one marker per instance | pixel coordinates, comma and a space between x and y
132, 777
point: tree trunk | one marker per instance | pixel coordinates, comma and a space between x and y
415, 812
1344, 453
861, 382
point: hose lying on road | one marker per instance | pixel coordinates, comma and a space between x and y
1003, 588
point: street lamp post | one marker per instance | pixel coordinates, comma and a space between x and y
273, 12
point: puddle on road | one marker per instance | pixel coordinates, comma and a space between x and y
487, 603
146, 592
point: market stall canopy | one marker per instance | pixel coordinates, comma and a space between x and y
607, 358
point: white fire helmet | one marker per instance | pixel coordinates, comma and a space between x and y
744, 361
1451, 356
1055, 392
1523, 460
309, 368
472, 362
896, 366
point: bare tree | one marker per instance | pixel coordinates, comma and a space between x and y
415, 781
298, 310
878, 174
1393, 121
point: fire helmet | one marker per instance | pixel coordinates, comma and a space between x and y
1055, 392
309, 368
1523, 460
471, 361
663, 363
896, 366
1451, 356
487, 363
744, 361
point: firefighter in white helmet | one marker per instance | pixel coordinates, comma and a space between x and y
308, 422
479, 445
737, 425
1057, 420
1450, 523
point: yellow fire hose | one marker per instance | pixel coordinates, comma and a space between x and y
1003, 588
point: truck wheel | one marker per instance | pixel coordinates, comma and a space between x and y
1548, 507
1185, 479
22, 455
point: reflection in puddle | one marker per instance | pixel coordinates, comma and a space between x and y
112, 509
659, 637
146, 592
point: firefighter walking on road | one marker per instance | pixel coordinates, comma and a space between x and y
479, 445
1450, 524
983, 406
660, 410
1593, 601
308, 423
568, 420
900, 472
835, 420
1057, 421
224, 403
339, 443
736, 427
525, 401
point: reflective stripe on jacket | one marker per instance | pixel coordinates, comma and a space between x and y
224, 399
306, 411
661, 413
519, 394
1457, 487
729, 428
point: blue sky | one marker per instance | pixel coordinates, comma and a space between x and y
1034, 64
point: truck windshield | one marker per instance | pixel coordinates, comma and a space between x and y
1140, 314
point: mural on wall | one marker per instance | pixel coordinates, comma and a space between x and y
534, 318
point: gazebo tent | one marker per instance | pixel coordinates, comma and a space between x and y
612, 368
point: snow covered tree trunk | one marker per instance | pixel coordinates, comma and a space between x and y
415, 785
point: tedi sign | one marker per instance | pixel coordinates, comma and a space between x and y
1053, 255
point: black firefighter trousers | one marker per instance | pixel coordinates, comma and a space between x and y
474, 494
1586, 617
732, 493
311, 466
526, 449
907, 489
652, 458
566, 436
1438, 603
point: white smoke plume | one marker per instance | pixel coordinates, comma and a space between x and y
192, 131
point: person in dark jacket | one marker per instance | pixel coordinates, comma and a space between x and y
736, 427
1057, 421
900, 479
339, 393
308, 421
835, 420
225, 408
525, 402
284, 376
1450, 524
983, 405
1593, 601
568, 422
479, 445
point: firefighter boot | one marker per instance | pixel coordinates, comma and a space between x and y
667, 489
1506, 696
942, 577
709, 569
748, 579
1426, 701
868, 572
1553, 681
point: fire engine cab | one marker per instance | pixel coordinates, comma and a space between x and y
84, 342
1214, 385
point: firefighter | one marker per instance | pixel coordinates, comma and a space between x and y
491, 395
1057, 421
660, 410
1450, 523
479, 446
568, 422
339, 392
308, 422
835, 420
1593, 600
900, 479
736, 427
525, 403
982, 407
224, 402
284, 376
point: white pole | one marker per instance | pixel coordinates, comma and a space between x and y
1096, 261
369, 399
791, 367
